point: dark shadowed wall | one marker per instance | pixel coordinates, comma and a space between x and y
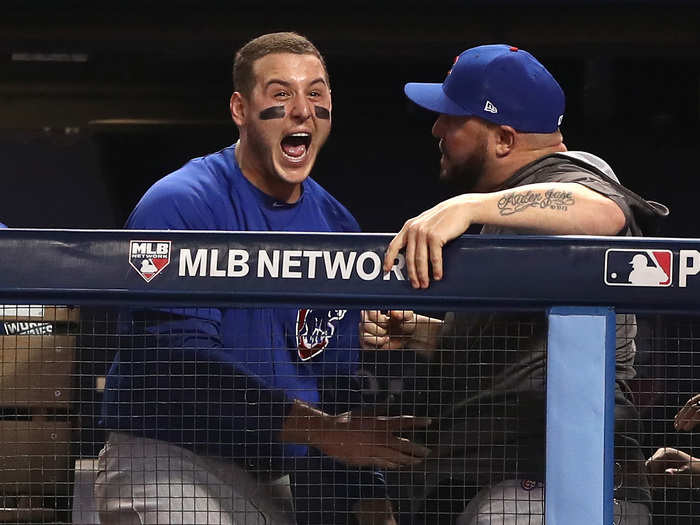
97, 103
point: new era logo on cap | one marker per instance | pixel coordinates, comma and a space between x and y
490, 107
625, 267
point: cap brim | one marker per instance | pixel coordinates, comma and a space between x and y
432, 97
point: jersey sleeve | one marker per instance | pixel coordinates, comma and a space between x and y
212, 402
171, 204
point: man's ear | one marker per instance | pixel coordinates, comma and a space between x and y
237, 105
505, 138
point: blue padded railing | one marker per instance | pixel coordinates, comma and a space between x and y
580, 281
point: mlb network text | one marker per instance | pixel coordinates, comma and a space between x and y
287, 264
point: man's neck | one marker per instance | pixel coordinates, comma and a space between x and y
516, 160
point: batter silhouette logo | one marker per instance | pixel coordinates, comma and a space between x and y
315, 329
149, 258
650, 268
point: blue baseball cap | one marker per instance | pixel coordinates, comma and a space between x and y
498, 83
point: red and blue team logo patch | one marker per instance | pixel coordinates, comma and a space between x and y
530, 484
625, 267
315, 329
149, 258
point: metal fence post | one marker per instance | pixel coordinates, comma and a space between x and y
580, 415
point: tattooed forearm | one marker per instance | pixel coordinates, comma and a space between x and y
518, 201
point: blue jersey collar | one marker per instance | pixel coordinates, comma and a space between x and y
263, 198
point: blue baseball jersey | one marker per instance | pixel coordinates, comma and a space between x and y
221, 380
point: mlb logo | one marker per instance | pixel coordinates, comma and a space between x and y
149, 258
624, 267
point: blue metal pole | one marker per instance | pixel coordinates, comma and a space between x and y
580, 416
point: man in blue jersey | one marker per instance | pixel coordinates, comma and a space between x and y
211, 404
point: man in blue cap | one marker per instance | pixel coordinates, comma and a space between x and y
499, 112
498, 126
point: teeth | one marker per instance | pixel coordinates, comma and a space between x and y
300, 134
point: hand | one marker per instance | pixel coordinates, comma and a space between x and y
688, 417
425, 235
386, 332
671, 467
374, 512
370, 441
355, 439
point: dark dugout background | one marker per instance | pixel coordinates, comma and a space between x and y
96, 103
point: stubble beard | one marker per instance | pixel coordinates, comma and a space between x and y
466, 176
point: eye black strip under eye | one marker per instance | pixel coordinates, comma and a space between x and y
322, 112
272, 112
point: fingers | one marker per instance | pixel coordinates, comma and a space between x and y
375, 316
392, 251
408, 447
369, 441
669, 467
687, 421
372, 342
411, 258
663, 479
395, 458
420, 257
402, 316
672, 477
392, 460
688, 417
656, 466
436, 257
398, 423
404, 239
684, 469
386, 332
663, 452
402, 325
423, 249
375, 323
373, 329
391, 455
428, 255
666, 456
400, 459
693, 400
663, 469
